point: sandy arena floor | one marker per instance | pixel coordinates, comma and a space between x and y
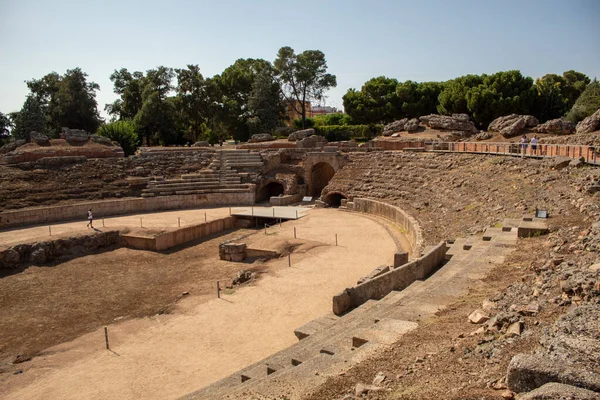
202, 339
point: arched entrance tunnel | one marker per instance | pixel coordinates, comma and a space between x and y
320, 176
334, 199
269, 190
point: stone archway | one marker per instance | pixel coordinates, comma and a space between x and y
334, 199
271, 189
320, 175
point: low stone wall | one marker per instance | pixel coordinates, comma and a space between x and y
104, 208
394, 214
285, 200
17, 156
396, 279
180, 236
50, 250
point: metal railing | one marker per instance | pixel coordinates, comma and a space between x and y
590, 154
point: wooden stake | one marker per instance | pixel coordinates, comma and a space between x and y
179, 222
106, 337
141, 226
218, 290
289, 260
204, 217
336, 239
50, 230
296, 214
294, 232
265, 229
103, 222
230, 211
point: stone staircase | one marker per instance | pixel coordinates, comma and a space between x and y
330, 345
222, 176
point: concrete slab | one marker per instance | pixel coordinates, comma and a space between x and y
277, 212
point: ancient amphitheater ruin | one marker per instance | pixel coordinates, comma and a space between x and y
414, 266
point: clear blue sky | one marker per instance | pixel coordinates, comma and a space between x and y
419, 40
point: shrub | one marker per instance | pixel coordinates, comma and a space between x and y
336, 133
122, 132
586, 104
309, 123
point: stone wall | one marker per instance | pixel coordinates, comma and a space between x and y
50, 250
411, 227
285, 200
175, 238
31, 216
397, 279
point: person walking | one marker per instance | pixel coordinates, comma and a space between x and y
90, 219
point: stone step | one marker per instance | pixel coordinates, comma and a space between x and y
209, 188
183, 181
298, 353
313, 326
396, 295
200, 175
199, 185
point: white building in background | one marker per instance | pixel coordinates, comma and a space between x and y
321, 110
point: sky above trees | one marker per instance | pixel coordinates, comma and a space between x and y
406, 40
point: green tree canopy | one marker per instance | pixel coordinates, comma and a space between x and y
302, 77
193, 104
264, 103
122, 132
586, 104
418, 99
30, 118
156, 120
453, 98
557, 94
67, 101
5, 125
230, 93
500, 94
375, 102
129, 87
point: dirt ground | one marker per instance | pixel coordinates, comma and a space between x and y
150, 224
166, 344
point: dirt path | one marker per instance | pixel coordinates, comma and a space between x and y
166, 356
151, 222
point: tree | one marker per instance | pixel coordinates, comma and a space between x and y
193, 103
67, 101
129, 87
375, 102
264, 103
500, 94
302, 77
230, 93
418, 99
156, 119
453, 99
5, 125
122, 132
587, 104
557, 94
30, 118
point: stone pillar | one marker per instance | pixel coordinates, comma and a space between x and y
400, 258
